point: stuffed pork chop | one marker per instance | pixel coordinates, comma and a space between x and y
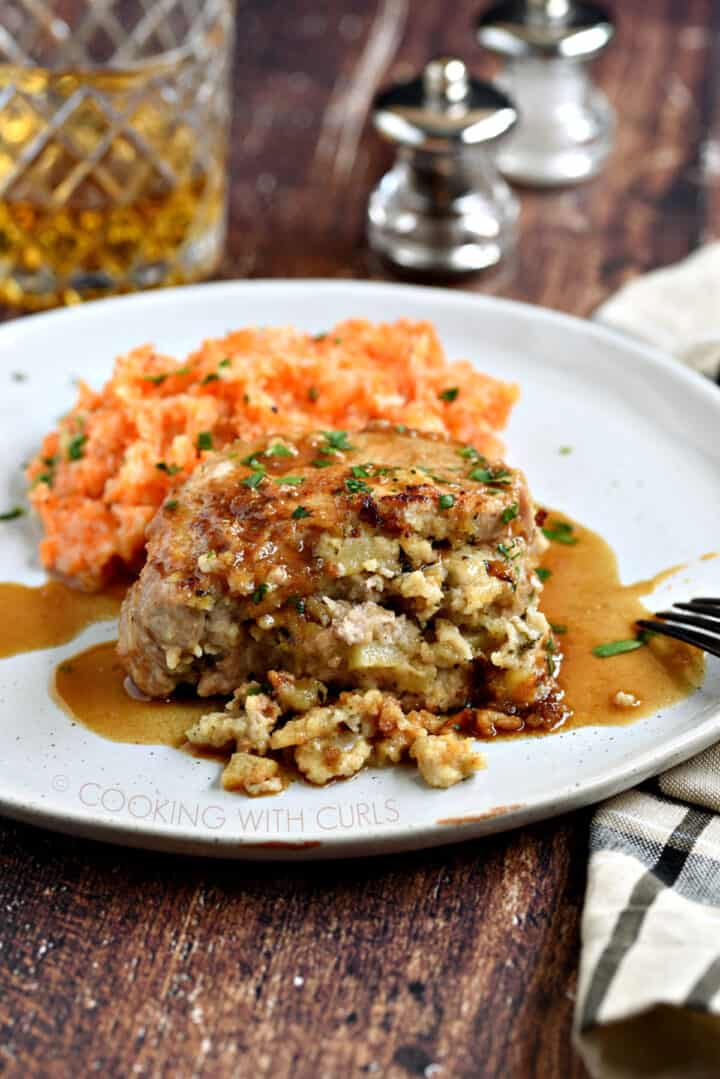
383, 560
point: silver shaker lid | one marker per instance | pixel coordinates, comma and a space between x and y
552, 29
442, 110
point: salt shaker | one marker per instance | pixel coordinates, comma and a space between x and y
566, 125
443, 208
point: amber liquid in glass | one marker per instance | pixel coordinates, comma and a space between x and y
105, 185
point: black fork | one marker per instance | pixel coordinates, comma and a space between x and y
696, 623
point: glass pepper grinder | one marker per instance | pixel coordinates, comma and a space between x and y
443, 208
566, 126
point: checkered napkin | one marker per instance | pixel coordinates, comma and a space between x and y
649, 990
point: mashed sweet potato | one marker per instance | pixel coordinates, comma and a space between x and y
119, 453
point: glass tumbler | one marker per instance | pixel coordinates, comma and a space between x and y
114, 123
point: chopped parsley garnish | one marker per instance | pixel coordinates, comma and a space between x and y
449, 394
253, 691
360, 472
510, 513
299, 604
506, 549
293, 481
616, 648
158, 380
76, 447
252, 461
278, 450
471, 453
259, 593
171, 470
357, 486
299, 512
11, 515
43, 477
565, 450
225, 363
550, 650
543, 573
255, 478
322, 462
171, 504
401, 428
337, 440
488, 475
204, 440
446, 501
557, 628
337, 340
212, 377
313, 393
560, 532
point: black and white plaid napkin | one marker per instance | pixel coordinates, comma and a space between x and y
649, 989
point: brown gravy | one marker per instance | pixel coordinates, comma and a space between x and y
583, 594
91, 687
50, 614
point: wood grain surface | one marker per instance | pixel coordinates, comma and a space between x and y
454, 963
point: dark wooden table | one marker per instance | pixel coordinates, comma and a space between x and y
458, 962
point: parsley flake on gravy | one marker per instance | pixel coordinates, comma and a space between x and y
450, 394
300, 512
510, 513
446, 501
337, 440
254, 479
616, 648
278, 450
204, 440
560, 532
357, 487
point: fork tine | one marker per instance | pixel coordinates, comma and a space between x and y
711, 601
713, 624
702, 606
698, 640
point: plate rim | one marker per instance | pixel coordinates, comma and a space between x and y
384, 839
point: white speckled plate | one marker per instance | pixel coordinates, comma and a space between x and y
644, 472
